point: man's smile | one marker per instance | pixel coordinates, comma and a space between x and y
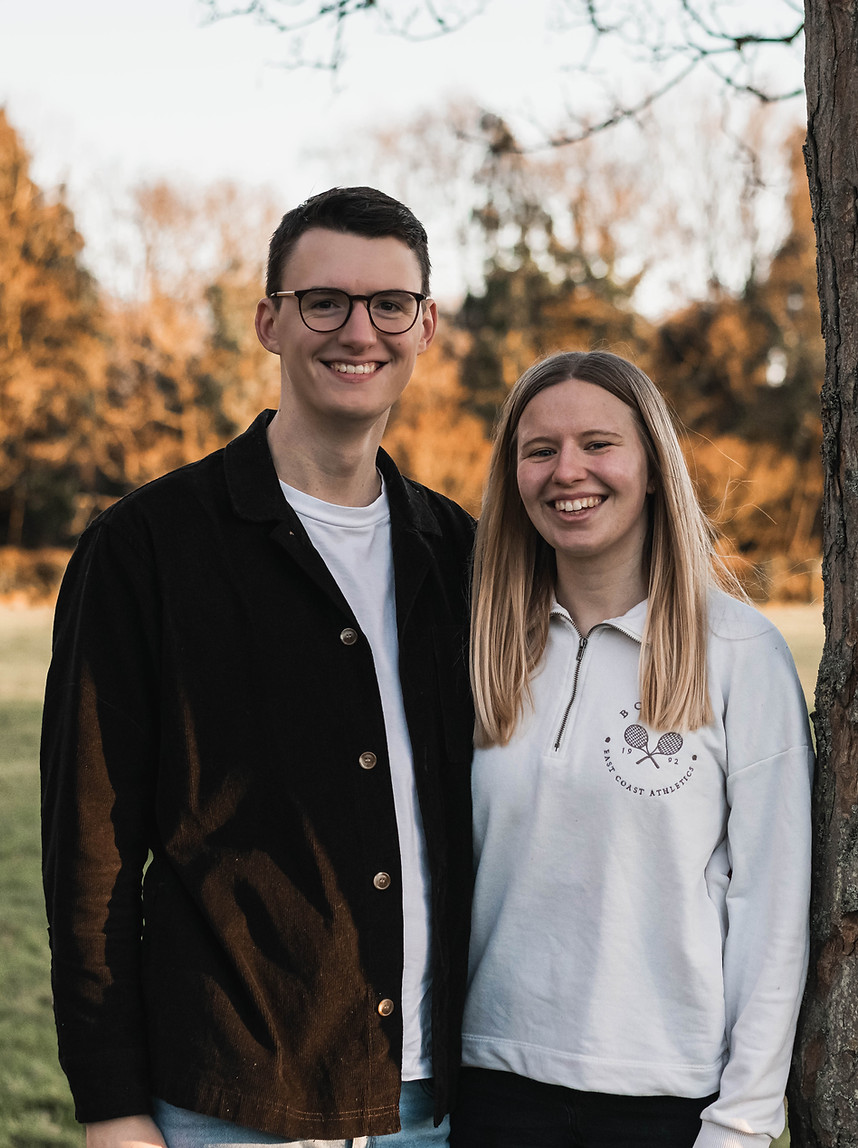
355, 368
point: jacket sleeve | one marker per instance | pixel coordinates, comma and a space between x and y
99, 754
769, 776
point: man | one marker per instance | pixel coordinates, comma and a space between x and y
259, 682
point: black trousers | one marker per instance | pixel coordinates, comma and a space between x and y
502, 1110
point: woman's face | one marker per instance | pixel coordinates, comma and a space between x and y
583, 475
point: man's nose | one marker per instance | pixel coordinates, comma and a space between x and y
358, 327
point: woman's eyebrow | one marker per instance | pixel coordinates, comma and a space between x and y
551, 435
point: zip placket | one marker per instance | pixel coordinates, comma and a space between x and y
582, 646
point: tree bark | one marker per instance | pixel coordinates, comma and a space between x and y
823, 1093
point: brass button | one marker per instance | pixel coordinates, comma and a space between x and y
385, 1007
381, 880
349, 636
367, 760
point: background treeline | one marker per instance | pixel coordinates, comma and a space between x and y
101, 390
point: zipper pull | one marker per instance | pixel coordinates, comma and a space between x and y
582, 646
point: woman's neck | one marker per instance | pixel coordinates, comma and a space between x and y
592, 594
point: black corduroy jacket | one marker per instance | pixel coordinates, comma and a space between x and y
212, 708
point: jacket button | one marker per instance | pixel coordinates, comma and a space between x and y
385, 1007
367, 760
381, 880
349, 636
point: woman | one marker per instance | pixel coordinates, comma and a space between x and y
641, 795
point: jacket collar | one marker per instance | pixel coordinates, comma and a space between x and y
256, 494
408, 505
257, 497
250, 475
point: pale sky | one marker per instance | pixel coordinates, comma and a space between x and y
147, 86
106, 93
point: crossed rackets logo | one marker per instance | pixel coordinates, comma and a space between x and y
638, 738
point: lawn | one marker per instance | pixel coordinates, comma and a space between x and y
35, 1108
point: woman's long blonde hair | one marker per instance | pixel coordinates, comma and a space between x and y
514, 568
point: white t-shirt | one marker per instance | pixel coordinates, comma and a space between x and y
354, 542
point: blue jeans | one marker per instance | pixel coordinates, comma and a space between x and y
502, 1110
183, 1129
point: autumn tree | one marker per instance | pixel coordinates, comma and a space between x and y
550, 257
744, 371
551, 233
52, 357
100, 394
186, 371
432, 433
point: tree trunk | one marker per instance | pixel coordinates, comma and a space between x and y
823, 1094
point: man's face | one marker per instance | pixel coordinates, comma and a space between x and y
357, 373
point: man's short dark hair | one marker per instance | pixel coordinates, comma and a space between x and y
353, 211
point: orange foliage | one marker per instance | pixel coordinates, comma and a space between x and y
766, 503
98, 395
432, 437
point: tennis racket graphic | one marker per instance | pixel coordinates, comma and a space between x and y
638, 738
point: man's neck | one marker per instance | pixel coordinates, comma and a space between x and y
335, 464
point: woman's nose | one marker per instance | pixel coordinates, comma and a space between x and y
570, 465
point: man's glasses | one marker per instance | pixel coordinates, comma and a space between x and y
327, 308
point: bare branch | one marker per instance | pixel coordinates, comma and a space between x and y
746, 89
422, 20
681, 36
621, 114
697, 32
738, 41
499, 140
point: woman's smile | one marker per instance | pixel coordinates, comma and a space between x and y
583, 474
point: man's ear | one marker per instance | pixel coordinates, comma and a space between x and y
429, 323
266, 320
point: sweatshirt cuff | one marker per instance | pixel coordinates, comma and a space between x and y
719, 1136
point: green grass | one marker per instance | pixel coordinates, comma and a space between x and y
35, 1106
25, 639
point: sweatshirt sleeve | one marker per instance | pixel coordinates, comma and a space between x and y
98, 762
769, 777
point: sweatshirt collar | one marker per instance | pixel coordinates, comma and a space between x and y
631, 623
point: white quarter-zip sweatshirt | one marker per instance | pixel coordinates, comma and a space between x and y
640, 921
